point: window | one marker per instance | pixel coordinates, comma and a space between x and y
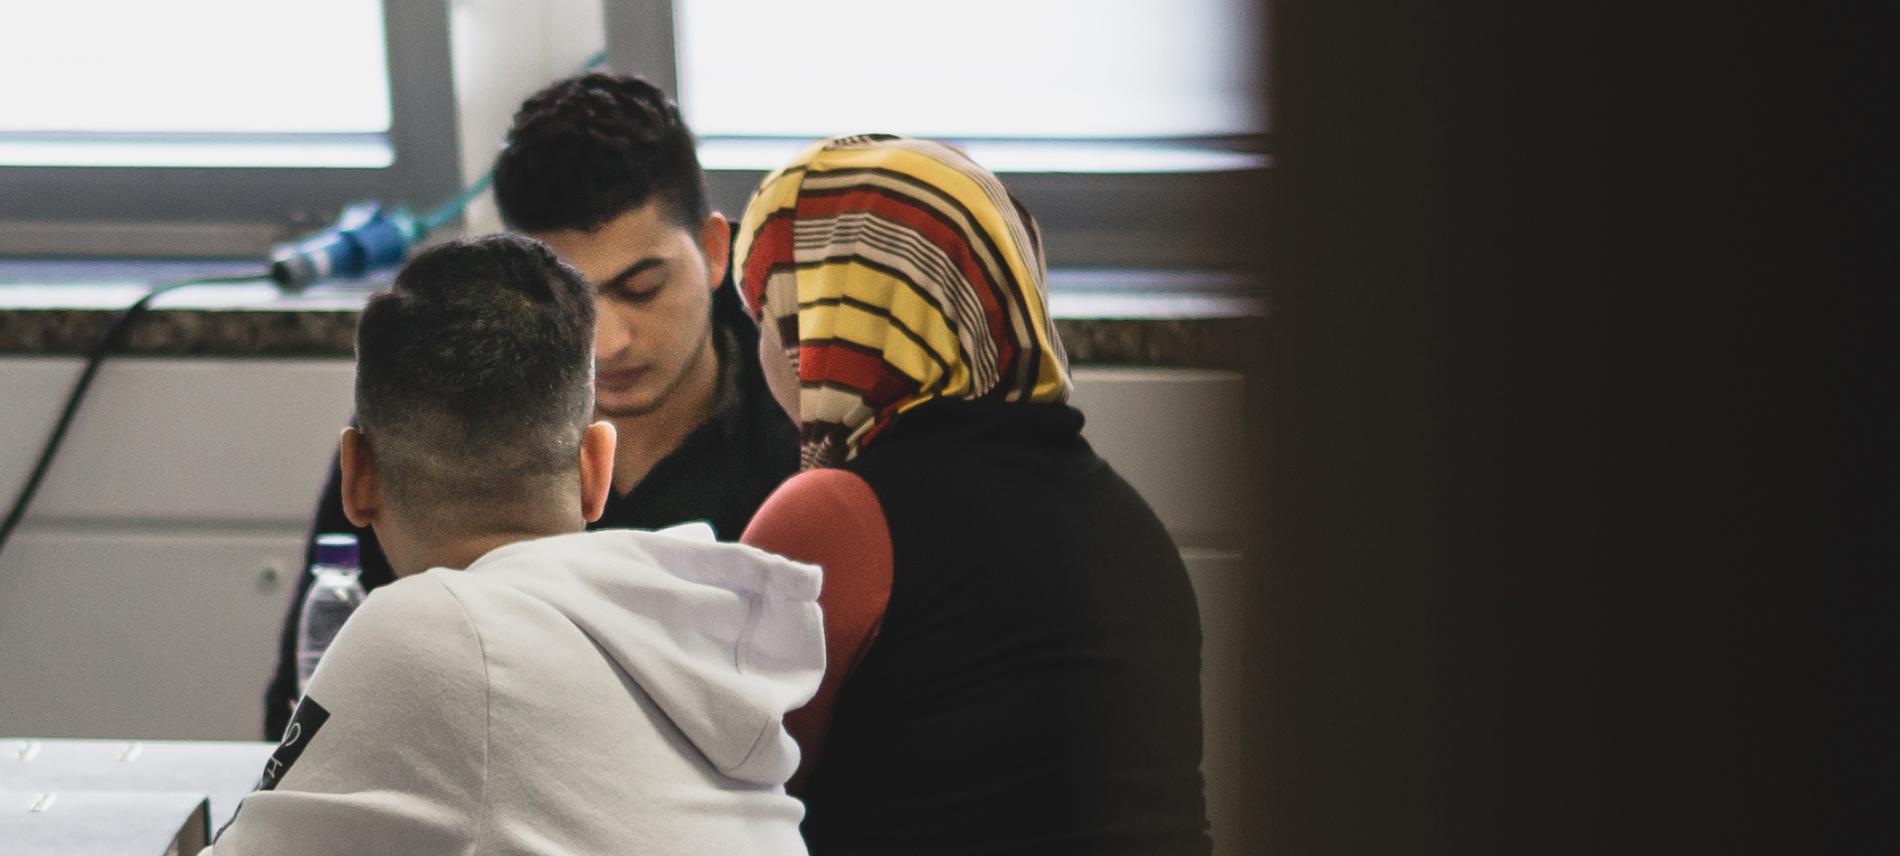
218, 127
1121, 124
215, 127
984, 69
168, 84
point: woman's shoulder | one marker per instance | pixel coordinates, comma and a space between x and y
824, 499
827, 517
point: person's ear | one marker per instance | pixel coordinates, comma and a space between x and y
715, 240
597, 469
362, 493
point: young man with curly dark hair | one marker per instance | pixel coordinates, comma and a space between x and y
602, 169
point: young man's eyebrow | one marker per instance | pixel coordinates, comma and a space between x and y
618, 282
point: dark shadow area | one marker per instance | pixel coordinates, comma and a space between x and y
1579, 453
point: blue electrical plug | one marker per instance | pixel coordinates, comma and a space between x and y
367, 237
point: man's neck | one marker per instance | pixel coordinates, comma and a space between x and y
644, 439
458, 552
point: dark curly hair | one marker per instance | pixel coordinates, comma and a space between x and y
587, 149
474, 371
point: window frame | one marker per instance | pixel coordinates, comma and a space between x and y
1160, 218
242, 211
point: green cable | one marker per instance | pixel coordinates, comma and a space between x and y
447, 210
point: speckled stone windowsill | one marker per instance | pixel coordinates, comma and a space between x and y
1102, 319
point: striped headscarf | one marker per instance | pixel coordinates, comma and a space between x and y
896, 271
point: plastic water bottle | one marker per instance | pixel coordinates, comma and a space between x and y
333, 595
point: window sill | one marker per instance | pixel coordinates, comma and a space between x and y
1105, 317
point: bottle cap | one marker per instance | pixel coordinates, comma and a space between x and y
337, 548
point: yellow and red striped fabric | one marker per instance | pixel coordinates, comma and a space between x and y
897, 271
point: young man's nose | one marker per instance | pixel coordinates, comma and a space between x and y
613, 334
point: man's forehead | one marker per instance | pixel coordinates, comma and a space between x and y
608, 249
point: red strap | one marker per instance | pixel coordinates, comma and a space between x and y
830, 518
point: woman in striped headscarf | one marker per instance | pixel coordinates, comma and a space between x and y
1013, 645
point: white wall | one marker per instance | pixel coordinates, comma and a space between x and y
142, 595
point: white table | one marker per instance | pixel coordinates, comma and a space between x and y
123, 779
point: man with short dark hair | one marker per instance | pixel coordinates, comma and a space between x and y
603, 170
527, 686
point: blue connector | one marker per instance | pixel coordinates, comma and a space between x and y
366, 238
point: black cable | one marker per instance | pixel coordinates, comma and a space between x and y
114, 333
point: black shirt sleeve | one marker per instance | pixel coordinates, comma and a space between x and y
281, 695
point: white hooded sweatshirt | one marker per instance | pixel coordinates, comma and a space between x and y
602, 692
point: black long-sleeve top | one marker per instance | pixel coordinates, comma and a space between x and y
1034, 683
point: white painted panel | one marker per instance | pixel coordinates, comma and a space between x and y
210, 441
1176, 435
150, 635
1228, 666
32, 389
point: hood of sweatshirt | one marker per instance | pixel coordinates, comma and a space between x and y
725, 638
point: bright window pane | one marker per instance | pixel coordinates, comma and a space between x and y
1049, 69
76, 67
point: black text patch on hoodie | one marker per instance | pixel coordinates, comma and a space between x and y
304, 724
303, 727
